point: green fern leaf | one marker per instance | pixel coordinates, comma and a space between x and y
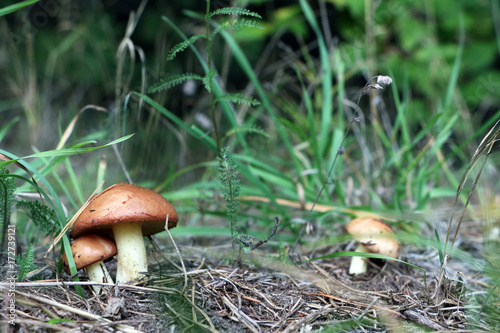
228, 172
182, 46
235, 25
238, 98
25, 263
234, 11
43, 217
7, 189
172, 81
207, 80
248, 129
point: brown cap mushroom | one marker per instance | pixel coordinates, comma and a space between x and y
128, 212
89, 251
373, 236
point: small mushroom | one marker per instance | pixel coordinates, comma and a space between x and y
128, 213
89, 251
373, 236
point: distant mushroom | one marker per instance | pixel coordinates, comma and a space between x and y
373, 236
89, 251
128, 212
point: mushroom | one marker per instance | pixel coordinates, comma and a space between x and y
128, 212
89, 251
373, 236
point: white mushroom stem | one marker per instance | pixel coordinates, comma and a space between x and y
98, 272
359, 264
131, 252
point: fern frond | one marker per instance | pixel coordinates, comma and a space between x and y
234, 11
248, 129
228, 176
182, 46
43, 216
172, 81
235, 25
238, 98
228, 172
25, 263
207, 80
7, 189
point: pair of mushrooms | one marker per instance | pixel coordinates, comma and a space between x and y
129, 212
373, 236
126, 213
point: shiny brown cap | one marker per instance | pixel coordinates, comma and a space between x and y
89, 249
375, 235
125, 203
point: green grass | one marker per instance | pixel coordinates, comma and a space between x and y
12, 8
410, 153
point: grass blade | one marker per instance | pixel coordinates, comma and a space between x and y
326, 77
16, 7
206, 140
440, 249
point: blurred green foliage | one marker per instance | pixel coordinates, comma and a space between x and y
58, 59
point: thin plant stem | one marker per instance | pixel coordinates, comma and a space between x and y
340, 151
5, 214
178, 254
209, 63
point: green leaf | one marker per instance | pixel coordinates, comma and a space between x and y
182, 46
7, 126
16, 7
52, 200
238, 98
42, 216
242, 60
452, 81
234, 11
248, 129
235, 25
59, 320
25, 262
228, 175
7, 190
207, 141
172, 81
326, 78
207, 80
199, 231
226, 108
68, 151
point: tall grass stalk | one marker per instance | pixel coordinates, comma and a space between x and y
382, 81
487, 146
209, 80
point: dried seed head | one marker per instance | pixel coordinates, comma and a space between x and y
384, 80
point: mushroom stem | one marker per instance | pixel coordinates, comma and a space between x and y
359, 264
98, 272
131, 252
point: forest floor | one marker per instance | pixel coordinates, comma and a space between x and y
264, 294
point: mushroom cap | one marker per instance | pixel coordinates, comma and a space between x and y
89, 249
375, 235
125, 203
